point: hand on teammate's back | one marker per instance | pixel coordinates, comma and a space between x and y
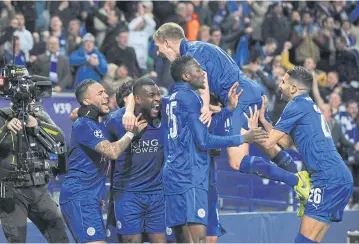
233, 97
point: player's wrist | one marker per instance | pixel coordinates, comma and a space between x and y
130, 135
262, 119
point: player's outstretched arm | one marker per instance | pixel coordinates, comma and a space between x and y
206, 140
285, 141
113, 150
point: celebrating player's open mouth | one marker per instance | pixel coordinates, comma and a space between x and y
104, 106
155, 109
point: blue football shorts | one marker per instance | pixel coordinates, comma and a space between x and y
237, 121
188, 207
84, 220
138, 212
327, 203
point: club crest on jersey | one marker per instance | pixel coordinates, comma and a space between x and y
91, 231
168, 231
201, 213
98, 134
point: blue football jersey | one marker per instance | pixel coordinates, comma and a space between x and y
139, 167
86, 176
222, 71
187, 161
304, 122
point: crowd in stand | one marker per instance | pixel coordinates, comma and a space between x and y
110, 42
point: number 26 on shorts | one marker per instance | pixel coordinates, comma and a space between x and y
315, 195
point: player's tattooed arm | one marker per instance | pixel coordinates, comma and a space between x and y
113, 150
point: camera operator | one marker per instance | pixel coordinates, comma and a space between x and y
30, 197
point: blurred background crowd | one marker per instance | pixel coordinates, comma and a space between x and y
110, 42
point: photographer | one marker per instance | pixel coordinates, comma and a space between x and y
28, 174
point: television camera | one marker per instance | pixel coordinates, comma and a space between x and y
24, 91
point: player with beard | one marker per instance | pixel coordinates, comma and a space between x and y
81, 191
137, 179
331, 180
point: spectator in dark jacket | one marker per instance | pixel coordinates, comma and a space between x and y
74, 40
277, 26
6, 35
54, 66
122, 53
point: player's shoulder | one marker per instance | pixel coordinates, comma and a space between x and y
197, 49
186, 96
165, 99
300, 103
83, 123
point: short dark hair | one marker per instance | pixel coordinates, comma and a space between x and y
179, 67
301, 75
214, 29
123, 91
82, 88
139, 83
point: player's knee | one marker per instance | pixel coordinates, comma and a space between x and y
235, 159
157, 238
211, 239
234, 165
235, 162
132, 238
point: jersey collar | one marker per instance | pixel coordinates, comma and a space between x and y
302, 96
182, 85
